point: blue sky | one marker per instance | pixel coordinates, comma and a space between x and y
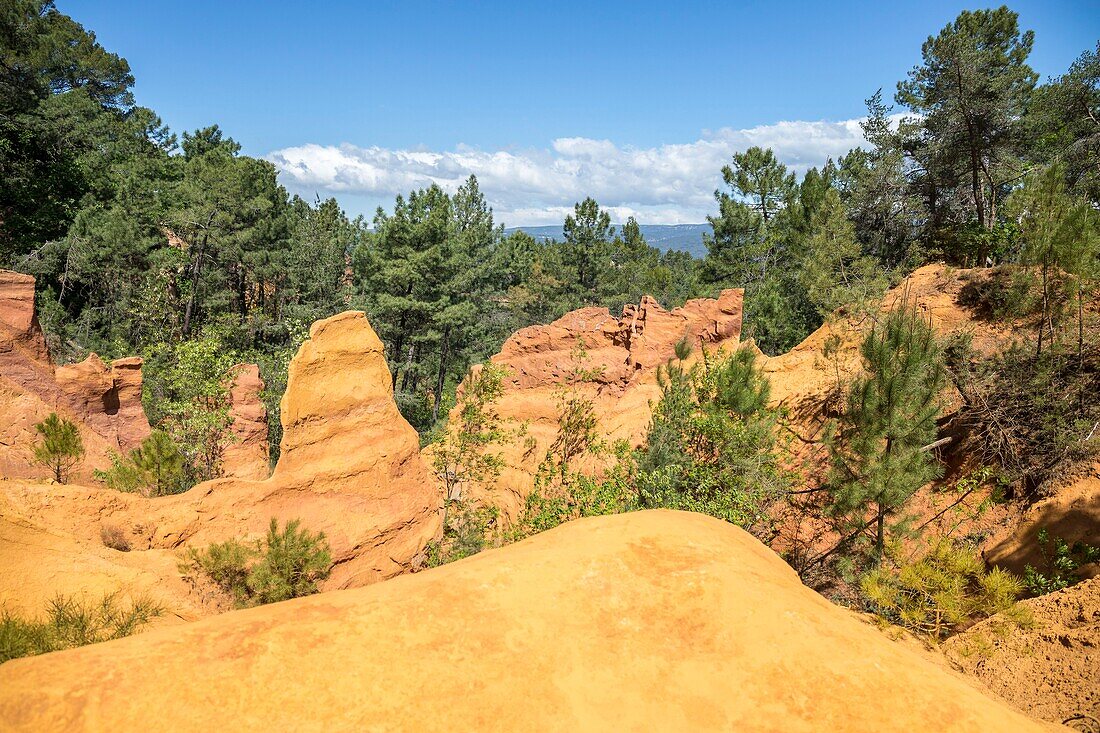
635, 103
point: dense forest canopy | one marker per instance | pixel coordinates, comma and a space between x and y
185, 251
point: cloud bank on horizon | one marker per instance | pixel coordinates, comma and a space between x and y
667, 184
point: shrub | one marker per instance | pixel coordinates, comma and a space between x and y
1030, 414
467, 531
60, 448
186, 394
227, 564
463, 454
112, 536
293, 562
71, 623
286, 564
711, 444
155, 468
941, 591
553, 503
1061, 562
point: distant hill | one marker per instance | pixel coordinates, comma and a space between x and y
665, 237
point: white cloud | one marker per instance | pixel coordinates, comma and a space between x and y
669, 184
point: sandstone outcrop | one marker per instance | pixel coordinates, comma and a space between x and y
350, 467
619, 357
104, 400
643, 621
38, 564
247, 456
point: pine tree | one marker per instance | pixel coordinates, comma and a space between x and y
758, 176
876, 191
588, 233
292, 565
161, 461
1060, 234
60, 448
970, 91
881, 457
833, 271
155, 468
711, 445
1063, 124
398, 271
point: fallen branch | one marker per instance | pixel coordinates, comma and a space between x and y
937, 444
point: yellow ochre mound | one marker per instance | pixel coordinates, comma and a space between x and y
645, 621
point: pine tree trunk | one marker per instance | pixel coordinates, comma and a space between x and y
1046, 309
880, 534
441, 375
398, 344
196, 274
407, 374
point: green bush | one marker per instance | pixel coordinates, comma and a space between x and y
941, 591
1061, 562
711, 445
155, 468
467, 531
71, 623
578, 495
285, 564
60, 448
292, 564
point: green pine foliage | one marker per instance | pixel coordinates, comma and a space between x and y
1059, 235
71, 622
711, 445
880, 456
835, 273
287, 563
970, 91
155, 468
946, 588
293, 563
60, 447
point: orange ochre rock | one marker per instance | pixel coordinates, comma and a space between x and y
659, 620
104, 400
350, 467
247, 456
618, 356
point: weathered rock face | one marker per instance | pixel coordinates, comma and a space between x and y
247, 457
643, 621
39, 562
349, 466
103, 400
620, 357
18, 322
625, 350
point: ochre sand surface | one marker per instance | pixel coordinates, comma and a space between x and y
645, 621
